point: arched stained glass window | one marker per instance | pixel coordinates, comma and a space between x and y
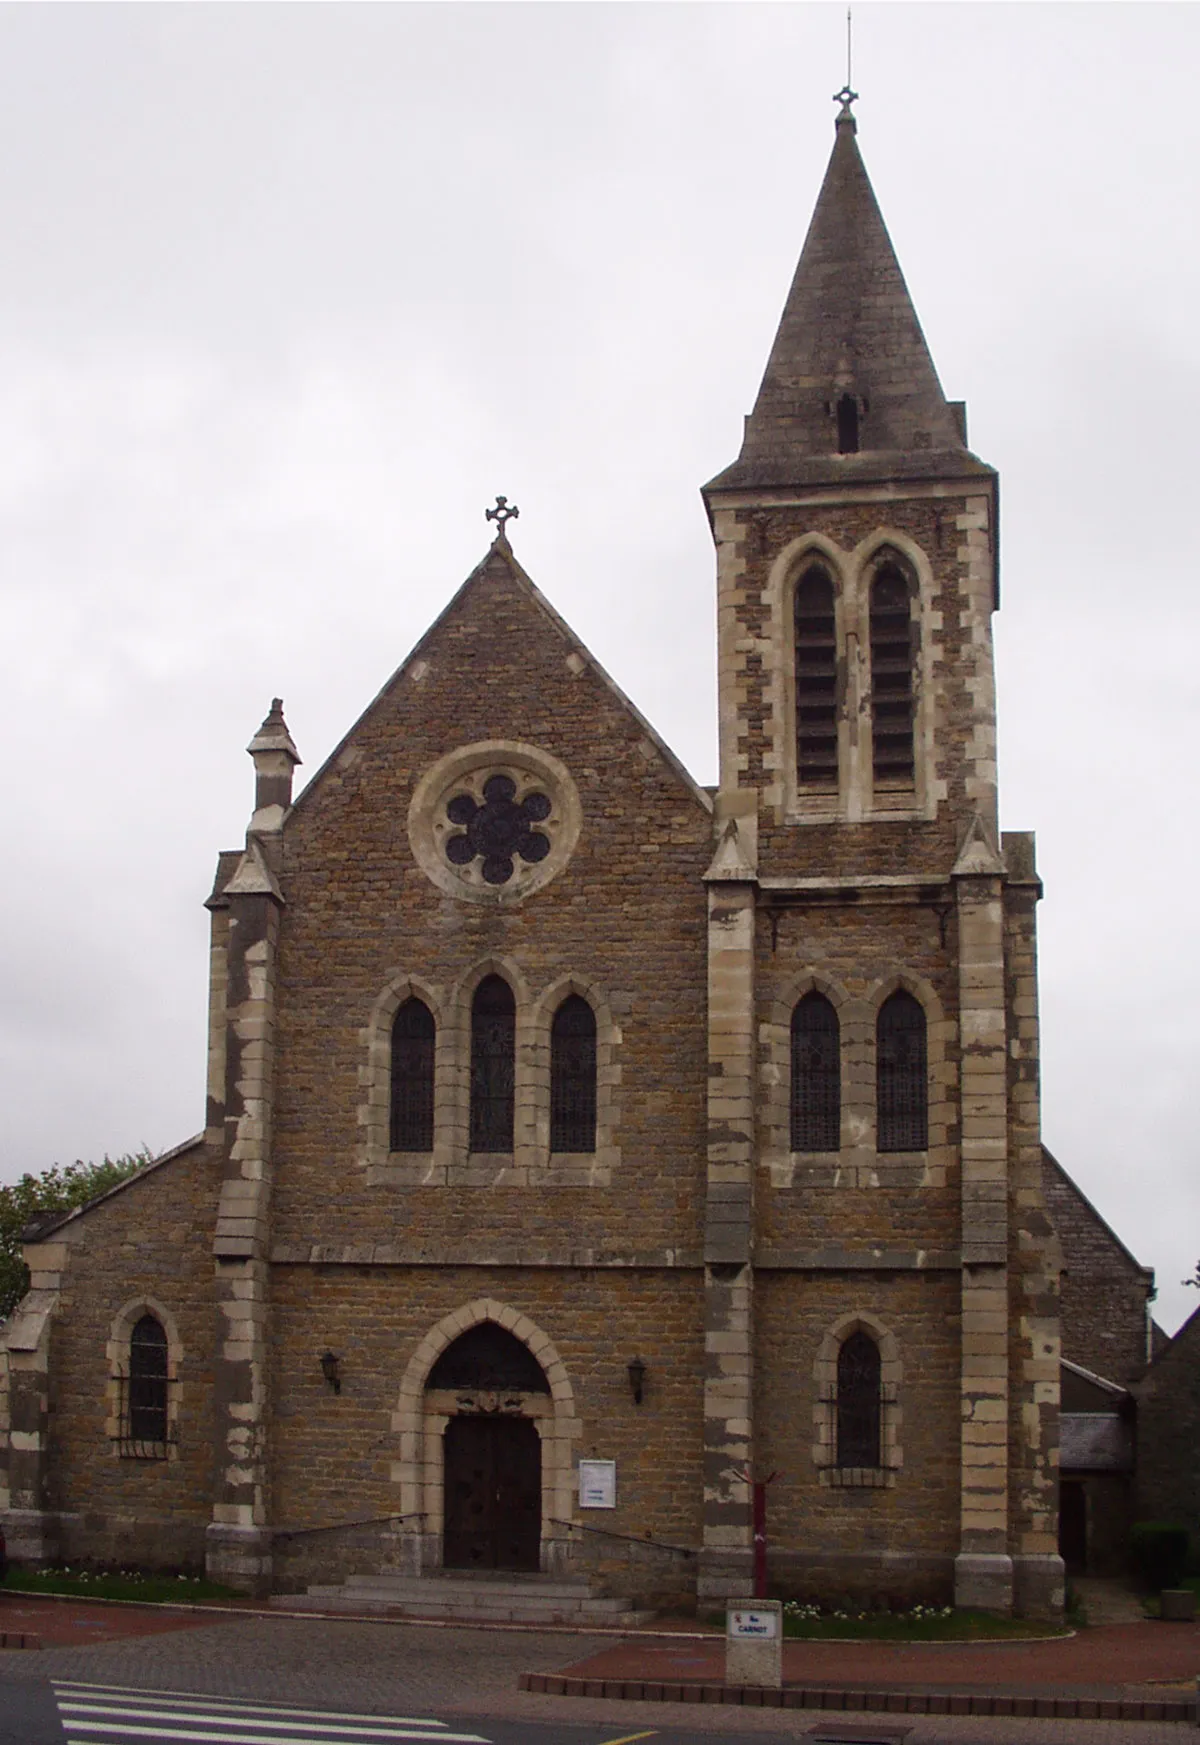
493, 1052
816, 1076
816, 680
147, 1410
488, 1356
859, 1418
901, 1075
893, 651
573, 1077
413, 1043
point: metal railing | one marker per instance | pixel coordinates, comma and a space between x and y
628, 1538
345, 1526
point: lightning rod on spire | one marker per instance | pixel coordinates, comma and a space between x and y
847, 95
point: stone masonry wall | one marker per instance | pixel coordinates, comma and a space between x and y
148, 1241
1104, 1291
856, 1200
896, 1540
1168, 1396
626, 917
334, 1455
948, 531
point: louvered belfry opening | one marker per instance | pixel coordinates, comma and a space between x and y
893, 648
859, 1418
847, 424
413, 1043
147, 1412
493, 1065
816, 1076
573, 1077
816, 680
901, 1075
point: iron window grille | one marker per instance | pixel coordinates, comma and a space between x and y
573, 1077
413, 1045
145, 1430
816, 681
901, 1075
493, 1080
816, 1076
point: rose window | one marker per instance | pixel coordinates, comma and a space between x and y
495, 821
500, 830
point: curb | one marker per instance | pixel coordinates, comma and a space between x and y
19, 1639
902, 1702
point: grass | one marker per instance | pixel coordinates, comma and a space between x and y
921, 1624
125, 1584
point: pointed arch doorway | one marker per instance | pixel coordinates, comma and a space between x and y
491, 1450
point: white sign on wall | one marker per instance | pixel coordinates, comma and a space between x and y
753, 1626
597, 1484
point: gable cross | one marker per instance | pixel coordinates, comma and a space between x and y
501, 515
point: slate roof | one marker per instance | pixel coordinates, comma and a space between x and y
849, 327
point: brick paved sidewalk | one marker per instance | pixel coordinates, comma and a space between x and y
59, 1623
1143, 1671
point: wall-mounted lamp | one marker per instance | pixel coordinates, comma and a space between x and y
637, 1375
331, 1369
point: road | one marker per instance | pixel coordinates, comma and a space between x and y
252, 1680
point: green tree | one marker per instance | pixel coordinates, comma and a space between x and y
55, 1190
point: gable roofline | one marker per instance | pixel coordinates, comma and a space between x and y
500, 547
1100, 1381
57, 1220
1048, 1157
1172, 1340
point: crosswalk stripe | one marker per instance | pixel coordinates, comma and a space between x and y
194, 1699
106, 1715
124, 1731
367, 1728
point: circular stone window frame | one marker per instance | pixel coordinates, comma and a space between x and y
465, 771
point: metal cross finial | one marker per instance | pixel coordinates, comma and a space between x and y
501, 514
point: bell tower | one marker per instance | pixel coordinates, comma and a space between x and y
871, 949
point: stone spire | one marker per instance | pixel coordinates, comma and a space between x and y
849, 387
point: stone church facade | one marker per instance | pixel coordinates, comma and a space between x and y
563, 1111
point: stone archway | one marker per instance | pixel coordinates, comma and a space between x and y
447, 1379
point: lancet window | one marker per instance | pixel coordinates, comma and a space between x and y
816, 1101
901, 1075
893, 652
573, 1077
859, 1400
493, 1065
816, 676
146, 1411
413, 1044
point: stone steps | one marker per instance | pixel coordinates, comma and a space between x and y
509, 1599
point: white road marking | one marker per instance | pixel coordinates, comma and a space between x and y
368, 1727
196, 1699
107, 1715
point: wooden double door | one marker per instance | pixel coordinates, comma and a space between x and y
493, 1494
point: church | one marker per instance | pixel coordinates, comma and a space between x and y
589, 1153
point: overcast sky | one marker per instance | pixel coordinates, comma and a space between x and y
290, 294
